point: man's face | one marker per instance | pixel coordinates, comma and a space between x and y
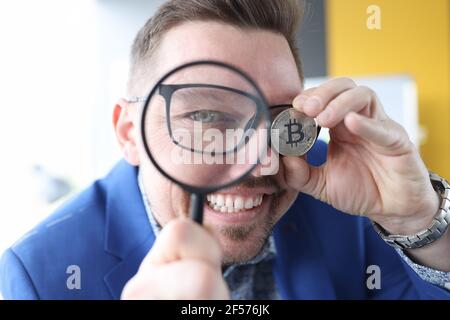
265, 57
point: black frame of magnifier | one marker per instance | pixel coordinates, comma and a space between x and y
167, 90
198, 194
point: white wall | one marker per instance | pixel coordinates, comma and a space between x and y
117, 22
63, 64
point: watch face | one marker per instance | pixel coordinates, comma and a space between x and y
293, 133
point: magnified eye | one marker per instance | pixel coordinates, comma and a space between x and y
208, 116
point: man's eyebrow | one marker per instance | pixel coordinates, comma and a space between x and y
196, 91
283, 96
276, 109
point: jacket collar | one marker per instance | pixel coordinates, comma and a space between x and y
127, 224
128, 234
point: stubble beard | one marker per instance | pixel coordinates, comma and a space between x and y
250, 238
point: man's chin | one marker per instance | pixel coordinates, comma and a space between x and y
241, 243
237, 252
243, 237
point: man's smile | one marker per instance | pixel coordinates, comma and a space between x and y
233, 203
239, 204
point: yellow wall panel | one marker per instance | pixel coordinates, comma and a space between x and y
414, 39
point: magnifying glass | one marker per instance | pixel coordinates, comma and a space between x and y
205, 126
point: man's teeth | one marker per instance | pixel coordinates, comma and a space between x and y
228, 203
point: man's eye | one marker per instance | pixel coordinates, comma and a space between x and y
206, 116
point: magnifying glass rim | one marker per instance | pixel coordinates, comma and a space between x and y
265, 117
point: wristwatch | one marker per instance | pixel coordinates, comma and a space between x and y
437, 228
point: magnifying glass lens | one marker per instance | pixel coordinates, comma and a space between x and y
205, 126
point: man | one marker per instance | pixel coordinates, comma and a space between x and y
127, 236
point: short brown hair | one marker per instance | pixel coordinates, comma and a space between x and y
280, 16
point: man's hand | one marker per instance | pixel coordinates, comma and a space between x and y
372, 167
184, 263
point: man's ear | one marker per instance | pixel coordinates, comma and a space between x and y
125, 131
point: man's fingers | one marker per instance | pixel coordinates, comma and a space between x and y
184, 239
313, 101
355, 99
301, 98
184, 263
202, 284
389, 136
305, 178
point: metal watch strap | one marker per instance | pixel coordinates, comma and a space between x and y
437, 228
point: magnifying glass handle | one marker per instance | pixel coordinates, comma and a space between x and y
196, 207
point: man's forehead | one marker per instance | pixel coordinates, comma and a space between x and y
263, 55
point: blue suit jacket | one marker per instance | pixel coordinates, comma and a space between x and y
321, 252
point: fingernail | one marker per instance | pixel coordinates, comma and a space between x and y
323, 117
300, 100
312, 104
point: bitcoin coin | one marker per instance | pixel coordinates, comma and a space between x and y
293, 133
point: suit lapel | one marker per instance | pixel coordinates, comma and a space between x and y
128, 235
127, 268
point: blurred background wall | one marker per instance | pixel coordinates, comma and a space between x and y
63, 64
413, 39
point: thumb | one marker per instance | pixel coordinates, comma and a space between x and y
183, 239
304, 177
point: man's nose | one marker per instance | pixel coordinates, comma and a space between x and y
268, 164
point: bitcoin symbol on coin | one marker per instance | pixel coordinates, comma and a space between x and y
298, 133
293, 133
